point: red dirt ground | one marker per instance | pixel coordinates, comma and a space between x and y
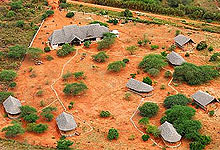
106, 90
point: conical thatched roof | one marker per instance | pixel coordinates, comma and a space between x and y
12, 105
139, 86
168, 132
175, 59
66, 122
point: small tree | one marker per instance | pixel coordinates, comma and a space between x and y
147, 80
153, 47
49, 12
153, 130
172, 47
17, 52
7, 75
74, 89
215, 57
31, 118
47, 113
16, 5
145, 137
116, 66
144, 121
70, 14
64, 144
78, 75
201, 45
167, 74
100, 57
65, 50
178, 99
153, 72
127, 13
104, 114
34, 53
148, 109
40, 128
67, 75
106, 43
20, 23
14, 130
211, 113
87, 44
26, 110
46, 49
210, 49
132, 49
113, 134
5, 95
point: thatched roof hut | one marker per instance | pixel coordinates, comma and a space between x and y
139, 86
66, 122
175, 59
202, 98
181, 40
169, 133
12, 105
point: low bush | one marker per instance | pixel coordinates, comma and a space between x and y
187, 54
20, 23
148, 109
172, 47
65, 50
153, 47
78, 75
34, 53
112, 134
46, 49
100, 57
49, 58
127, 96
201, 45
145, 137
144, 121
132, 49
153, 72
106, 43
153, 130
67, 75
12, 85
7, 75
31, 117
215, 57
211, 113
210, 48
167, 74
40, 128
125, 60
99, 22
47, 113
147, 80
64, 144
127, 13
104, 114
116, 66
70, 14
5, 95
178, 99
164, 54
87, 44
17, 52
13, 130
74, 89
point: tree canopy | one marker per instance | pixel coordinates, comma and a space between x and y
148, 109
13, 130
178, 99
65, 50
74, 89
100, 57
17, 52
116, 66
7, 75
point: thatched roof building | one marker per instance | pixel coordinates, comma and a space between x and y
169, 133
66, 122
175, 59
12, 105
202, 98
139, 86
181, 40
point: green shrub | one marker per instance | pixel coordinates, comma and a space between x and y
106, 43
27, 110
172, 47
16, 5
162, 87
63, 5
100, 57
144, 121
164, 54
127, 13
49, 57
125, 60
7, 75
65, 50
40, 128
153, 130
5, 95
215, 57
46, 49
211, 113
63, 144
148, 109
178, 99
194, 75
152, 61
210, 48
127, 96
112, 134
10, 14
132, 49
70, 14
167, 74
201, 45
147, 80
153, 72
78, 75
47, 113
177, 32
196, 146
12, 85
74, 89
34, 53
153, 47
31, 118
187, 54
116, 66
145, 137
67, 75
99, 22
49, 12
87, 44
104, 114
20, 23
14, 130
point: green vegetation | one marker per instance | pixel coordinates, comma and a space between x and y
99, 22
5, 95
125, 60
47, 113
153, 47
31, 117
49, 57
145, 137
46, 49
106, 42
153, 130
167, 74
144, 121
70, 14
116, 66
26, 110
210, 48
215, 57
12, 84
64, 144
153, 72
112, 134
67, 75
194, 75
148, 109
132, 49
37, 128
104, 114
74, 88
34, 53
152, 61
13, 130
17, 52
201, 45
100, 57
178, 99
48, 13
127, 13
87, 44
79, 75
7, 75
127, 96
65, 50
172, 47
211, 113
147, 80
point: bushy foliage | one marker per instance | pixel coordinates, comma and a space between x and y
20, 23
125, 60
17, 52
15, 5
153, 47
107, 42
64, 144
26, 110
70, 14
152, 61
78, 75
145, 137
67, 75
194, 75
153, 72
112, 134
127, 13
148, 109
13, 130
40, 128
104, 114
87, 44
210, 48
34, 53
178, 99
153, 130
167, 74
46, 49
7, 75
201, 45
215, 57
65, 50
147, 80
47, 113
99, 22
172, 47
116, 66
74, 89
5, 95
144, 121
132, 49
49, 57
100, 57
31, 117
